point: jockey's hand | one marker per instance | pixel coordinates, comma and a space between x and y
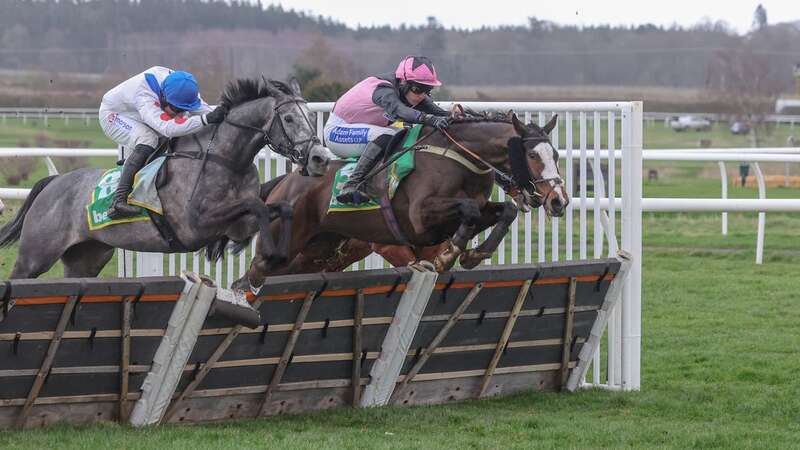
457, 111
438, 122
216, 116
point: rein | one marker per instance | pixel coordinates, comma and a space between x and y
204, 152
500, 174
504, 178
397, 155
291, 150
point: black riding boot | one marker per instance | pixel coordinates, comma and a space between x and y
120, 208
353, 191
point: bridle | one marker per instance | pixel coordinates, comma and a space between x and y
512, 181
552, 181
296, 151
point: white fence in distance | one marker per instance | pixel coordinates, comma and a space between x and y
624, 329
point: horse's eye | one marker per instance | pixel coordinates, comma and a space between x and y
289, 119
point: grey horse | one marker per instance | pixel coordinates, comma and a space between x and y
211, 192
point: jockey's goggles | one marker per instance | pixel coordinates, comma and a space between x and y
420, 88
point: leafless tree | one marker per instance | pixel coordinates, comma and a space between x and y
743, 80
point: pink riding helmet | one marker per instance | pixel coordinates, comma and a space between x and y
418, 69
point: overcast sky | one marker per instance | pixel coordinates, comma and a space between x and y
476, 13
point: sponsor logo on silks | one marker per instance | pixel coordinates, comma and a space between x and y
344, 135
179, 119
115, 119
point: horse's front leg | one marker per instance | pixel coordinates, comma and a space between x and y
437, 211
501, 215
265, 214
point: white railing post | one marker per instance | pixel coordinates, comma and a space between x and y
597, 172
554, 222
762, 216
723, 175
570, 183
582, 180
632, 243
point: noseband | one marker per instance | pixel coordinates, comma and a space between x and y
298, 151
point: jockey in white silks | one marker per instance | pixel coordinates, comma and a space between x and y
158, 102
359, 122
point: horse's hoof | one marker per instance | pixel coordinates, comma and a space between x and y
242, 284
447, 258
443, 263
233, 305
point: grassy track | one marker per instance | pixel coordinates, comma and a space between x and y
720, 361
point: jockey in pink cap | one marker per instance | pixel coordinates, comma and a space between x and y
359, 122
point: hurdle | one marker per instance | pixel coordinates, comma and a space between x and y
93, 350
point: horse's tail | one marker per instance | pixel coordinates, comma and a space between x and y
10, 233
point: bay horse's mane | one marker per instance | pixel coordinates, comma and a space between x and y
243, 90
472, 116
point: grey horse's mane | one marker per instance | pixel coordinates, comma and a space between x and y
243, 90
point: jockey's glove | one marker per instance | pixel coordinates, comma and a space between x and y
437, 122
216, 116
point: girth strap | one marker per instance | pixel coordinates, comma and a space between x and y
167, 232
391, 219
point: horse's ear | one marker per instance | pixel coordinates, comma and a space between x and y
272, 89
294, 85
551, 124
518, 126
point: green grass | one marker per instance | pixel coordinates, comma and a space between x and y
14, 133
720, 361
719, 367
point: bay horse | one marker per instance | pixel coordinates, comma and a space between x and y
442, 200
211, 191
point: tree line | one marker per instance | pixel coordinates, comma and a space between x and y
241, 38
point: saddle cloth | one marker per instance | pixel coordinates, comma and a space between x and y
387, 181
144, 195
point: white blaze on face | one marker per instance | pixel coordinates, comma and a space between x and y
545, 151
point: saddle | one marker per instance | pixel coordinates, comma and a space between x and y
151, 206
378, 186
382, 183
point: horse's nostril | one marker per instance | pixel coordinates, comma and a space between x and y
556, 203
